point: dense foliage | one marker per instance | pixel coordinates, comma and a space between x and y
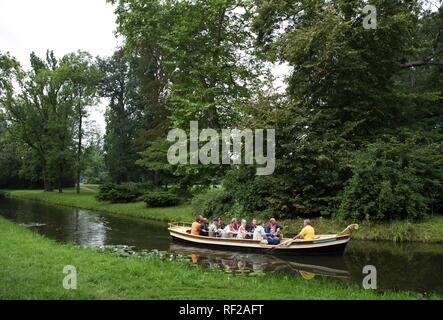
213, 203
349, 88
394, 178
160, 199
44, 110
118, 193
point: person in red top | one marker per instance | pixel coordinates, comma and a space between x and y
234, 225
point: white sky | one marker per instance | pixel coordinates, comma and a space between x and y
61, 25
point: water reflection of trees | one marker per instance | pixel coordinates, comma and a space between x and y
405, 266
400, 266
252, 264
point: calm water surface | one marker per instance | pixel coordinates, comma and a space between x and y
408, 266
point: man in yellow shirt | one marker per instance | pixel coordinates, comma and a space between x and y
307, 233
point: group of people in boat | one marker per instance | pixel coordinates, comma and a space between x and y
268, 234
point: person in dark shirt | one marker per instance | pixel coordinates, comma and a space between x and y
250, 228
204, 227
272, 230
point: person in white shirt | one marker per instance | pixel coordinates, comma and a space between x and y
242, 230
226, 232
214, 228
259, 233
230, 231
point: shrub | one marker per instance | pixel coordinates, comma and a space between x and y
160, 199
264, 195
144, 187
213, 202
391, 181
118, 193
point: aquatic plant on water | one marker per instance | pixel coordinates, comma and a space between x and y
131, 251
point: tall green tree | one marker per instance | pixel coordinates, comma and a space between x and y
42, 108
193, 61
29, 112
120, 153
84, 76
345, 90
201, 52
93, 160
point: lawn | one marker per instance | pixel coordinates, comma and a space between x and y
31, 267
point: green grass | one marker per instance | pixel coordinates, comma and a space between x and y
86, 200
31, 268
429, 230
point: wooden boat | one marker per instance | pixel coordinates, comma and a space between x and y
325, 244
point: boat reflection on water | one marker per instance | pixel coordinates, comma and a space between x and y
254, 264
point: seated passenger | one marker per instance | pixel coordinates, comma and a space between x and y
195, 227
227, 232
214, 228
250, 227
273, 231
222, 224
204, 227
231, 229
307, 233
234, 225
241, 234
259, 233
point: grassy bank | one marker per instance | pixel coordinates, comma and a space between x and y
31, 268
429, 230
86, 200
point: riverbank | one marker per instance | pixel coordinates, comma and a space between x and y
86, 200
426, 231
429, 230
25, 254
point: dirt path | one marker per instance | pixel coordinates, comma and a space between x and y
88, 189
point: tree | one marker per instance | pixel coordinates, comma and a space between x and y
198, 65
83, 77
201, 50
93, 160
120, 154
42, 112
28, 113
9, 162
154, 160
346, 89
396, 177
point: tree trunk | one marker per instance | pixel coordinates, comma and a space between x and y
46, 182
60, 178
79, 151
